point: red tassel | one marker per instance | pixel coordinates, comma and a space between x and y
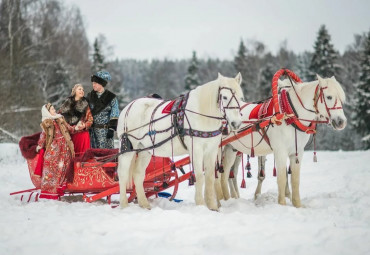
274, 172
191, 179
262, 173
243, 186
231, 175
249, 175
314, 148
252, 152
221, 168
314, 157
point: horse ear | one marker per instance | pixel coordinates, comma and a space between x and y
219, 76
239, 78
333, 78
321, 80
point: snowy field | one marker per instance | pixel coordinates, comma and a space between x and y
335, 218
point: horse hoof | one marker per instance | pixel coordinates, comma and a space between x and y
145, 206
282, 202
214, 209
256, 195
123, 205
297, 204
148, 207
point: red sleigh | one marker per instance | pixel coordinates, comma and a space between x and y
91, 176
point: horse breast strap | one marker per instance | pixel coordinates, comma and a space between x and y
178, 111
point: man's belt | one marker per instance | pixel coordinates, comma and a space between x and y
106, 126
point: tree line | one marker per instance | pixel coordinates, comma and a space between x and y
44, 51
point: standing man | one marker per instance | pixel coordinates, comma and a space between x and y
104, 108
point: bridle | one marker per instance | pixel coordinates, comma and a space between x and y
227, 107
319, 95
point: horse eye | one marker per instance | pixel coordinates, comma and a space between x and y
224, 97
329, 97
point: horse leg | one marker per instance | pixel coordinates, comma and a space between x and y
261, 175
280, 161
295, 178
125, 164
287, 190
218, 188
233, 184
209, 191
228, 162
142, 162
197, 162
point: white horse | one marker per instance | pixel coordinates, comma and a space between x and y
151, 132
319, 100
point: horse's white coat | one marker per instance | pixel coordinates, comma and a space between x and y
203, 151
282, 138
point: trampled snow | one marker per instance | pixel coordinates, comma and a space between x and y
335, 218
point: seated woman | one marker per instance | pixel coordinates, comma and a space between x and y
76, 112
58, 154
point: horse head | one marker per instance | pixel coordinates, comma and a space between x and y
229, 96
329, 100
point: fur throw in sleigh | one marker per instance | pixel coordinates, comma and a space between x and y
73, 110
28, 145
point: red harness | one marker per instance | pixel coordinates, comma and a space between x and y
292, 119
262, 110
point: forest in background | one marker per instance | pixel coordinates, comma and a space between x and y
44, 51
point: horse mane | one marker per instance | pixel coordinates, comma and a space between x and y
208, 102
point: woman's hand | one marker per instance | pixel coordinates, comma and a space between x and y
80, 126
38, 148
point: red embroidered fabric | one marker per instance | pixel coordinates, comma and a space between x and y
262, 110
168, 107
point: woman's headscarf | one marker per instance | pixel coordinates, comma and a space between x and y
46, 114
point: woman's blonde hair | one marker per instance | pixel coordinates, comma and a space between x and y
73, 93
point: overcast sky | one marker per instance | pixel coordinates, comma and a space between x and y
144, 29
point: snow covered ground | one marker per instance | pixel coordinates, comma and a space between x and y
335, 218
